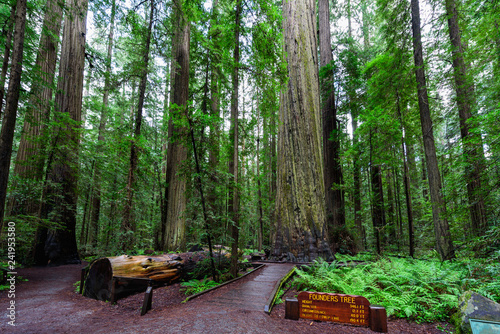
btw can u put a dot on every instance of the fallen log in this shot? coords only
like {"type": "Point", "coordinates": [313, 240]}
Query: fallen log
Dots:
{"type": "Point", "coordinates": [112, 278]}
{"type": "Point", "coordinates": [160, 268]}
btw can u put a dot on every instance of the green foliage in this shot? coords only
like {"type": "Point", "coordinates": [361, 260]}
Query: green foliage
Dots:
{"type": "Point", "coordinates": [407, 288]}
{"type": "Point", "coordinates": [195, 286]}
{"type": "Point", "coordinates": [76, 286]}
{"type": "Point", "coordinates": [26, 227]}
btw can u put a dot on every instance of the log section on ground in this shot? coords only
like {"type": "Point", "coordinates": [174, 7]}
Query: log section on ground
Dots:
{"type": "Point", "coordinates": [134, 273]}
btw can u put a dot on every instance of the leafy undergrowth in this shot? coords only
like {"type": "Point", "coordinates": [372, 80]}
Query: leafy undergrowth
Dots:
{"type": "Point", "coordinates": [417, 289]}
{"type": "Point", "coordinates": [195, 286]}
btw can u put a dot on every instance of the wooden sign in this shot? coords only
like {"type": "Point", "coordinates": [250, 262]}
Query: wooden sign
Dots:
{"type": "Point", "coordinates": [334, 307]}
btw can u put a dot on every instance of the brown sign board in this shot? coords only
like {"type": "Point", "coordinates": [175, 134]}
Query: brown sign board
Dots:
{"type": "Point", "coordinates": [334, 307]}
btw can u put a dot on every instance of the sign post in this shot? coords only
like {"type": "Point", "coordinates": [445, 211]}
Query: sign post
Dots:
{"type": "Point", "coordinates": [336, 307]}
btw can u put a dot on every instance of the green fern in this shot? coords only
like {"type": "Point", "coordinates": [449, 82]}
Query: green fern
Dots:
{"type": "Point", "coordinates": [195, 286]}
{"type": "Point", "coordinates": [420, 290]}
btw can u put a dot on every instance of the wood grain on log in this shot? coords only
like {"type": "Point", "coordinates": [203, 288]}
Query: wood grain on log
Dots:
{"type": "Point", "coordinates": [160, 268]}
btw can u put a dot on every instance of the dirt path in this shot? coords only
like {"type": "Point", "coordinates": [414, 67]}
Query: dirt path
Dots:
{"type": "Point", "coordinates": [47, 303]}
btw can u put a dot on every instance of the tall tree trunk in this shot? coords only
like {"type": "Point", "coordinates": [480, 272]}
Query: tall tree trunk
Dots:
{"type": "Point", "coordinates": [300, 200]}
{"type": "Point", "coordinates": [357, 185]}
{"type": "Point", "coordinates": [175, 191]}
{"type": "Point", "coordinates": [9, 118]}
{"type": "Point", "coordinates": [214, 137]}
{"type": "Point", "coordinates": [128, 224]}
{"type": "Point", "coordinates": [472, 144]}
{"type": "Point", "coordinates": [259, 194]}
{"type": "Point", "coordinates": [444, 243]}
{"type": "Point", "coordinates": [407, 179]}
{"type": "Point", "coordinates": [234, 196]}
{"type": "Point", "coordinates": [335, 213]}
{"type": "Point", "coordinates": [272, 173]}
{"type": "Point", "coordinates": [355, 142]}
{"type": "Point", "coordinates": [6, 56]}
{"type": "Point", "coordinates": [30, 157]}
{"type": "Point", "coordinates": [391, 210]}
{"type": "Point", "coordinates": [60, 245]}
{"type": "Point", "coordinates": [378, 212]}
{"type": "Point", "coordinates": [96, 199]}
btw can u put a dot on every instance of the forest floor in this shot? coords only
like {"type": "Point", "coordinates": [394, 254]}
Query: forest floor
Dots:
{"type": "Point", "coordinates": [48, 303]}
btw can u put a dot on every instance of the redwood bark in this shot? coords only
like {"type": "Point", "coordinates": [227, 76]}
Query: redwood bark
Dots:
{"type": "Point", "coordinates": [444, 243]}
{"type": "Point", "coordinates": [9, 118]}
{"type": "Point", "coordinates": [60, 245]}
{"type": "Point", "coordinates": [472, 144]}
{"type": "Point", "coordinates": [6, 56]}
{"type": "Point", "coordinates": [175, 191]}
{"type": "Point", "coordinates": [333, 179]}
{"type": "Point", "coordinates": [30, 157]}
{"type": "Point", "coordinates": [300, 200]}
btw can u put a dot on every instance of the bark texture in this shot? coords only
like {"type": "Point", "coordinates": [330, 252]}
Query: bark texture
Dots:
{"type": "Point", "coordinates": [444, 243]}
{"type": "Point", "coordinates": [60, 245]}
{"type": "Point", "coordinates": [9, 118]}
{"type": "Point", "coordinates": [472, 144]}
{"type": "Point", "coordinates": [175, 192]}
{"type": "Point", "coordinates": [30, 157]}
{"type": "Point", "coordinates": [333, 179]}
{"type": "Point", "coordinates": [300, 204]}
{"type": "Point", "coordinates": [6, 55]}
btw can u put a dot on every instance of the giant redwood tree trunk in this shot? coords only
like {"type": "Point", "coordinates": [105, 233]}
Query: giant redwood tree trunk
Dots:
{"type": "Point", "coordinates": [9, 119]}
{"type": "Point", "coordinates": [60, 245]}
{"type": "Point", "coordinates": [444, 243]}
{"type": "Point", "coordinates": [30, 157]}
{"type": "Point", "coordinates": [300, 202]}
{"type": "Point", "coordinates": [472, 144]}
{"type": "Point", "coordinates": [335, 213]}
{"type": "Point", "coordinates": [174, 226]}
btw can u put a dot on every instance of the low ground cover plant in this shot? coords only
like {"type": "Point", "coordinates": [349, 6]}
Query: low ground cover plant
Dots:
{"type": "Point", "coordinates": [423, 290]}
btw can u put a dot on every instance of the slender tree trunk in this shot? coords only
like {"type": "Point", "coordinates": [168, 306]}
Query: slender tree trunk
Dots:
{"type": "Point", "coordinates": [444, 243]}
{"type": "Point", "coordinates": [378, 212]}
{"type": "Point", "coordinates": [30, 157]}
{"type": "Point", "coordinates": [214, 137]}
{"type": "Point", "coordinates": [391, 210]}
{"type": "Point", "coordinates": [6, 56]}
{"type": "Point", "coordinates": [234, 196]}
{"type": "Point", "coordinates": [160, 231]}
{"type": "Point", "coordinates": [60, 246]}
{"type": "Point", "coordinates": [472, 144]}
{"type": "Point", "coordinates": [96, 199]}
{"type": "Point", "coordinates": [175, 191]}
{"type": "Point", "coordinates": [357, 184]}
{"type": "Point", "coordinates": [9, 118]}
{"type": "Point", "coordinates": [407, 182]}
{"type": "Point", "coordinates": [355, 142]}
{"type": "Point", "coordinates": [128, 224]}
{"type": "Point", "coordinates": [331, 141]}
{"type": "Point", "coordinates": [259, 194]}
{"type": "Point", "coordinates": [300, 200]}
